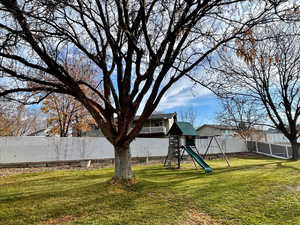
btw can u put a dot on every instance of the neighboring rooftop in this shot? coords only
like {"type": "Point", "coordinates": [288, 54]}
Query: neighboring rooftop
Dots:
{"type": "Point", "coordinates": [159, 116]}
{"type": "Point", "coordinates": [273, 131]}
{"type": "Point", "coordinates": [35, 133]}
{"type": "Point", "coordinates": [219, 127]}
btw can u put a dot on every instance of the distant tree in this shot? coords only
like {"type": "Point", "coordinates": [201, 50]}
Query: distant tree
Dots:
{"type": "Point", "coordinates": [242, 114]}
{"type": "Point", "coordinates": [64, 114]}
{"type": "Point", "coordinates": [17, 120]}
{"type": "Point", "coordinates": [5, 121]}
{"type": "Point", "coordinates": [64, 111]}
{"type": "Point", "coordinates": [189, 114]}
{"type": "Point", "coordinates": [266, 69]}
{"type": "Point", "coordinates": [140, 48]}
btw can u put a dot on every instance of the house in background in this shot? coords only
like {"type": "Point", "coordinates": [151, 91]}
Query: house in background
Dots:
{"type": "Point", "coordinates": [92, 131]}
{"type": "Point", "coordinates": [208, 130]}
{"type": "Point", "coordinates": [40, 133]}
{"type": "Point", "coordinates": [275, 136]}
{"type": "Point", "coordinates": [41, 128]}
{"type": "Point", "coordinates": [157, 125]}
{"type": "Point", "coordinates": [46, 132]}
{"type": "Point", "coordinates": [253, 134]}
{"type": "Point", "coordinates": [256, 135]}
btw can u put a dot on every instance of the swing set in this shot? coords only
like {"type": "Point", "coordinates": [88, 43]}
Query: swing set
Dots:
{"type": "Point", "coordinates": [209, 146]}
{"type": "Point", "coordinates": [182, 137]}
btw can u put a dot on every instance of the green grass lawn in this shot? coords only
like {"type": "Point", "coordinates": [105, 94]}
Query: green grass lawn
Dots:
{"type": "Point", "coordinates": [253, 191]}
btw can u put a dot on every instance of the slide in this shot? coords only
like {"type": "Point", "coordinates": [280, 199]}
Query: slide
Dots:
{"type": "Point", "coordinates": [198, 158]}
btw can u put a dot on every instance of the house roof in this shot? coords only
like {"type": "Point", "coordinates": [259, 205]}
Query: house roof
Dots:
{"type": "Point", "coordinates": [37, 132]}
{"type": "Point", "coordinates": [44, 131]}
{"type": "Point", "coordinates": [220, 127]}
{"type": "Point", "coordinates": [159, 116]}
{"type": "Point", "coordinates": [182, 128]}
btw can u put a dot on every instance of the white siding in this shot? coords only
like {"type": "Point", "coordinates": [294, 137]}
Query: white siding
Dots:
{"type": "Point", "coordinates": [276, 138]}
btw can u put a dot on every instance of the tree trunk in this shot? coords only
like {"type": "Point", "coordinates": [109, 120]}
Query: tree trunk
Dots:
{"type": "Point", "coordinates": [123, 169]}
{"type": "Point", "coordinates": [295, 150]}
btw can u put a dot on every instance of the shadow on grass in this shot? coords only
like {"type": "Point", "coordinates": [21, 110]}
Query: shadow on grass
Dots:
{"type": "Point", "coordinates": [38, 178]}
{"type": "Point", "coordinates": [247, 167]}
{"type": "Point", "coordinates": [160, 194]}
{"type": "Point", "coordinates": [199, 172]}
{"type": "Point", "coordinates": [287, 166]}
{"type": "Point", "coordinates": [98, 199]}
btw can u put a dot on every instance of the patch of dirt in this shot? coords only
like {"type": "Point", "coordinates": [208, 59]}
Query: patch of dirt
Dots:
{"type": "Point", "coordinates": [59, 220]}
{"type": "Point", "coordinates": [199, 218]}
{"type": "Point", "coordinates": [294, 188]}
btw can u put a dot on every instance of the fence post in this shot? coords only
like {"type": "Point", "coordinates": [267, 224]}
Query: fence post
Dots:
{"type": "Point", "coordinates": [270, 147]}
{"type": "Point", "coordinates": [256, 146]}
{"type": "Point", "coordinates": [147, 157]}
{"type": "Point", "coordinates": [287, 151]}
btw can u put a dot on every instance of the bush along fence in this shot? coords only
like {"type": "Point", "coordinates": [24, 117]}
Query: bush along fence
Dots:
{"type": "Point", "coordinates": [268, 149]}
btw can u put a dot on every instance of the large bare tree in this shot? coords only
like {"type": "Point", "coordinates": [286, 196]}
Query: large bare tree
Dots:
{"type": "Point", "coordinates": [140, 48]}
{"type": "Point", "coordinates": [266, 68]}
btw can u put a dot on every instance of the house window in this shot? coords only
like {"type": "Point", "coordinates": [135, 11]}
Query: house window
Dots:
{"type": "Point", "coordinates": [158, 123]}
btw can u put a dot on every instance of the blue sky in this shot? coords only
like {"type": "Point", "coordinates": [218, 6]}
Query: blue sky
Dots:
{"type": "Point", "coordinates": [185, 95]}
{"type": "Point", "coordinates": [206, 107]}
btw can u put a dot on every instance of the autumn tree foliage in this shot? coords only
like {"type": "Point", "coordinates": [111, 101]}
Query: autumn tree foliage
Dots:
{"type": "Point", "coordinates": [265, 68]}
{"type": "Point", "coordinates": [17, 120]}
{"type": "Point", "coordinates": [5, 122]}
{"type": "Point", "coordinates": [66, 114]}
{"type": "Point", "coordinates": [140, 48]}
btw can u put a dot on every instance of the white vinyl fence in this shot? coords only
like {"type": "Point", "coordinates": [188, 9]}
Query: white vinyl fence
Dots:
{"type": "Point", "coordinates": [228, 145]}
{"type": "Point", "coordinates": [47, 149]}
{"type": "Point", "coordinates": [269, 149]}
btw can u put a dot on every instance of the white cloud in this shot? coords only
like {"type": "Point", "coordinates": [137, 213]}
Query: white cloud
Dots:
{"type": "Point", "coordinates": [182, 94]}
